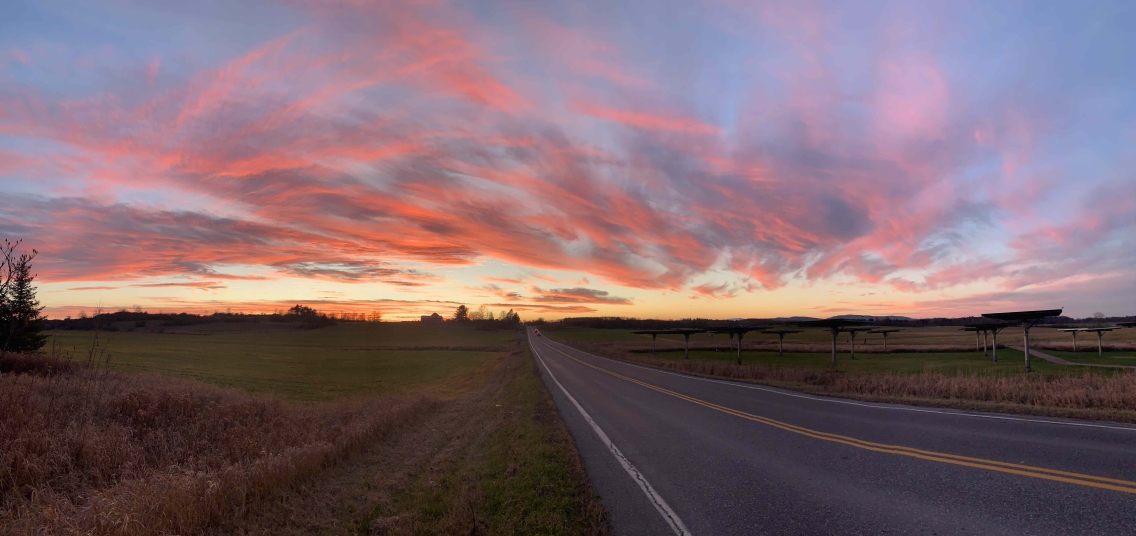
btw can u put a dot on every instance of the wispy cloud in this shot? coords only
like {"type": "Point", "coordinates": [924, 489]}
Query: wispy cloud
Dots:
{"type": "Point", "coordinates": [195, 285]}
{"type": "Point", "coordinates": [576, 295]}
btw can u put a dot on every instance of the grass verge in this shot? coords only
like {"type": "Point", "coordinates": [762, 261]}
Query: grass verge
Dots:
{"type": "Point", "coordinates": [498, 461]}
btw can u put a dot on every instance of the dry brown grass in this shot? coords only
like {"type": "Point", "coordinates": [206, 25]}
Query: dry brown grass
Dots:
{"type": "Point", "coordinates": [1088, 396]}
{"type": "Point", "coordinates": [83, 451]}
{"type": "Point", "coordinates": [1084, 344]}
{"type": "Point", "coordinates": [801, 347]}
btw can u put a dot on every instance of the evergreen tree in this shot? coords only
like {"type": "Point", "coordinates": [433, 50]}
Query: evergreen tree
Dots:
{"type": "Point", "coordinates": [20, 309]}
{"type": "Point", "coordinates": [461, 314]}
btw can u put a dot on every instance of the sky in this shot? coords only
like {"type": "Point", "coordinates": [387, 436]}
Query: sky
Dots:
{"type": "Point", "coordinates": [657, 159]}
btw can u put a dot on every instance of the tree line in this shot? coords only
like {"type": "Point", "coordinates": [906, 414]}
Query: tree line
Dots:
{"type": "Point", "coordinates": [484, 317]}
{"type": "Point", "coordinates": [137, 318]}
{"type": "Point", "coordinates": [611, 322]}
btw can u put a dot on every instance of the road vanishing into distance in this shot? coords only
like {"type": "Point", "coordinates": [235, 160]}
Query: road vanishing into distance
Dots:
{"type": "Point", "coordinates": [675, 454]}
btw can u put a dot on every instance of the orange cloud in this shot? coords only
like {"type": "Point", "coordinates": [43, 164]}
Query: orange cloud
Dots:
{"type": "Point", "coordinates": [577, 295]}
{"type": "Point", "coordinates": [650, 121]}
{"type": "Point", "coordinates": [195, 285]}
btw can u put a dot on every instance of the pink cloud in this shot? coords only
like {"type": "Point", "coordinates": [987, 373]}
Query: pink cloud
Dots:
{"type": "Point", "coordinates": [651, 121]}
{"type": "Point", "coordinates": [382, 136]}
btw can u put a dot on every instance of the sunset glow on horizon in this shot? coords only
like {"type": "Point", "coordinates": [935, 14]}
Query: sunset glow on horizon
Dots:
{"type": "Point", "coordinates": [649, 159]}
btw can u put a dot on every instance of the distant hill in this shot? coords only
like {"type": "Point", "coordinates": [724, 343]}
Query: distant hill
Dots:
{"type": "Point", "coordinates": [793, 319]}
{"type": "Point", "coordinates": [870, 318]}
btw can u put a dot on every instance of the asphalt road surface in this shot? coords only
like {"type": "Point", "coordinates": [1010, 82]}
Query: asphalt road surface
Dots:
{"type": "Point", "coordinates": [673, 454]}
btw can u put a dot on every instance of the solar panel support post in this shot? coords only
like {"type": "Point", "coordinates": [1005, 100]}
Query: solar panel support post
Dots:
{"type": "Point", "coordinates": [994, 347]}
{"type": "Point", "coordinates": [1074, 340]}
{"type": "Point", "coordinates": [835, 331]}
{"type": "Point", "coordinates": [740, 347]}
{"type": "Point", "coordinates": [1028, 319]}
{"type": "Point", "coordinates": [976, 341]}
{"type": "Point", "coordinates": [687, 337]}
{"type": "Point", "coordinates": [885, 334]}
{"type": "Point", "coordinates": [983, 343]}
{"type": "Point", "coordinates": [653, 335]}
{"type": "Point", "coordinates": [1026, 325]}
{"type": "Point", "coordinates": [852, 343]}
{"type": "Point", "coordinates": [781, 344]}
{"type": "Point", "coordinates": [1100, 349]}
{"type": "Point", "coordinates": [1025, 328]}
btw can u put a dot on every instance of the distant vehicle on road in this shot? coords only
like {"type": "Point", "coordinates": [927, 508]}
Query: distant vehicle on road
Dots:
{"type": "Point", "coordinates": [537, 331]}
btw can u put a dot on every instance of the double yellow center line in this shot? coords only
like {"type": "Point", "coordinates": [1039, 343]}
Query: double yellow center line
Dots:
{"type": "Point", "coordinates": [1079, 479]}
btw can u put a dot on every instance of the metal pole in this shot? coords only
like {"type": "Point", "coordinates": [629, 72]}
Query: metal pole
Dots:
{"type": "Point", "coordinates": [1074, 340]}
{"type": "Point", "coordinates": [983, 343]}
{"type": "Point", "coordinates": [1027, 348]}
{"type": "Point", "coordinates": [834, 332]}
{"type": "Point", "coordinates": [994, 347]}
{"type": "Point", "coordinates": [976, 343]}
{"type": "Point", "coordinates": [781, 344]}
{"type": "Point", "coordinates": [687, 335]}
{"type": "Point", "coordinates": [852, 339]}
{"type": "Point", "coordinates": [1100, 351]}
{"type": "Point", "coordinates": [885, 342]}
{"type": "Point", "coordinates": [740, 347]}
{"type": "Point", "coordinates": [653, 335]}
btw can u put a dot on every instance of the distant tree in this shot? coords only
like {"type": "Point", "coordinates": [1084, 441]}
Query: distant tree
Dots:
{"type": "Point", "coordinates": [375, 316]}
{"type": "Point", "coordinates": [482, 313]}
{"type": "Point", "coordinates": [461, 314]}
{"type": "Point", "coordinates": [511, 319]}
{"type": "Point", "coordinates": [308, 317]}
{"type": "Point", "coordinates": [1098, 317]}
{"type": "Point", "coordinates": [21, 321]}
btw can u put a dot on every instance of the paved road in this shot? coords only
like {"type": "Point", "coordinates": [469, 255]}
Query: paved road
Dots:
{"type": "Point", "coordinates": [674, 454]}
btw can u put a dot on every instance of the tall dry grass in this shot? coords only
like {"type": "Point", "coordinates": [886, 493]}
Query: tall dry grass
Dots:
{"type": "Point", "coordinates": [1086, 396]}
{"type": "Point", "coordinates": [802, 347]}
{"type": "Point", "coordinates": [86, 451]}
{"type": "Point", "coordinates": [1084, 345]}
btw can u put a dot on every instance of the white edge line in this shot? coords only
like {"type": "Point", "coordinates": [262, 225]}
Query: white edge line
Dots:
{"type": "Point", "coordinates": [669, 516]}
{"type": "Point", "coordinates": [833, 400]}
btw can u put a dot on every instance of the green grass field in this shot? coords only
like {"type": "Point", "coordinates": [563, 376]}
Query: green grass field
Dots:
{"type": "Point", "coordinates": [344, 360]}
